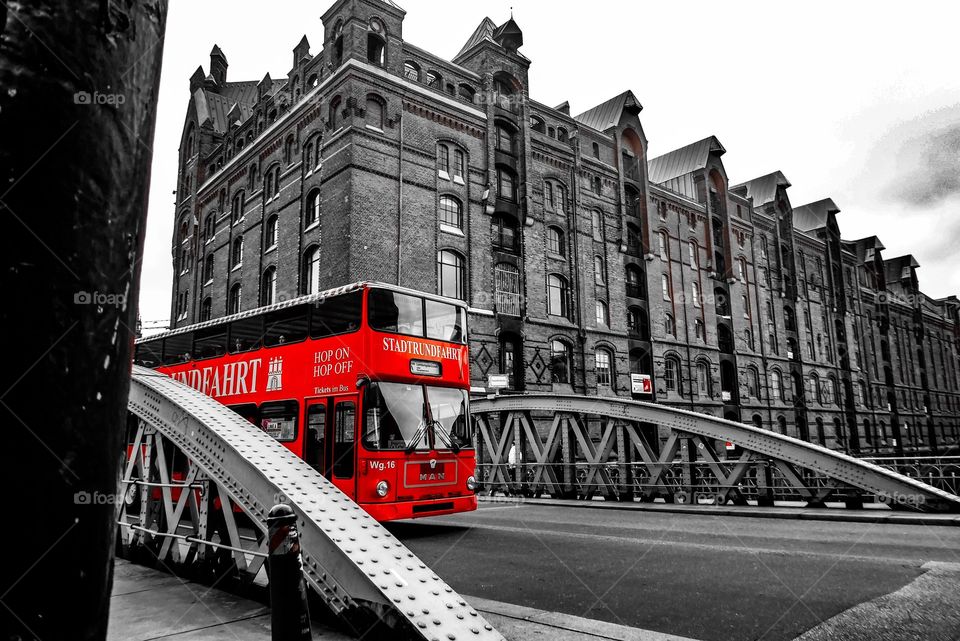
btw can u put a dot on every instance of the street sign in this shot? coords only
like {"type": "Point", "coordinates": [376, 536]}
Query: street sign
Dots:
{"type": "Point", "coordinates": [641, 384]}
{"type": "Point", "coordinates": [498, 381]}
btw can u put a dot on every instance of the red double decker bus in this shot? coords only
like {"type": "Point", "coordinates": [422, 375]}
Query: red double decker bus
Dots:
{"type": "Point", "coordinates": [368, 383]}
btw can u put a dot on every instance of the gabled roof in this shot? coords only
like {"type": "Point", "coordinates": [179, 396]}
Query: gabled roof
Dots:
{"type": "Point", "coordinates": [607, 114]}
{"type": "Point", "coordinates": [683, 161]}
{"type": "Point", "coordinates": [814, 215]}
{"type": "Point", "coordinates": [216, 106]}
{"type": "Point", "coordinates": [217, 52]}
{"type": "Point", "coordinates": [897, 269]}
{"type": "Point", "coordinates": [763, 190]}
{"type": "Point", "coordinates": [483, 32]}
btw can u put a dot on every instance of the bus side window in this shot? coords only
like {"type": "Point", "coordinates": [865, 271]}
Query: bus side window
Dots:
{"type": "Point", "coordinates": [149, 354]}
{"type": "Point", "coordinates": [177, 348]}
{"type": "Point", "coordinates": [248, 411]}
{"type": "Point", "coordinates": [245, 334]}
{"type": "Point", "coordinates": [279, 419]}
{"type": "Point", "coordinates": [286, 326]}
{"type": "Point", "coordinates": [210, 342]}
{"type": "Point", "coordinates": [343, 439]}
{"type": "Point", "coordinates": [336, 315]}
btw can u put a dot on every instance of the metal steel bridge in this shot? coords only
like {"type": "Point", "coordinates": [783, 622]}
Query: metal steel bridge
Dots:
{"type": "Point", "coordinates": [201, 482]}
{"type": "Point", "coordinates": [580, 447]}
{"type": "Point", "coordinates": [213, 512]}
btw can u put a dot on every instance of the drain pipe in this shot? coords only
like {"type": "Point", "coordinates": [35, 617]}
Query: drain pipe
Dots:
{"type": "Point", "coordinates": [400, 199]}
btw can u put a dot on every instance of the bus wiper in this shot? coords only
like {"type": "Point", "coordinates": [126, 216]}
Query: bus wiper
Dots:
{"type": "Point", "coordinates": [419, 434]}
{"type": "Point", "coordinates": [444, 436]}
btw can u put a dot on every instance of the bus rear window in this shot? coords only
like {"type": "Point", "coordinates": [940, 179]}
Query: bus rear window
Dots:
{"type": "Point", "coordinates": [336, 315]}
{"type": "Point", "coordinates": [286, 326]}
{"type": "Point", "coordinates": [395, 312]}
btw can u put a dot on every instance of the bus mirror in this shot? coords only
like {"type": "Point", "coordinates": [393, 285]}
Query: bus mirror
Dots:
{"type": "Point", "coordinates": [362, 381]}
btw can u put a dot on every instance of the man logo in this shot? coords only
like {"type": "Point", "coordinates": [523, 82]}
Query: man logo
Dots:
{"type": "Point", "coordinates": [433, 464]}
{"type": "Point", "coordinates": [275, 374]}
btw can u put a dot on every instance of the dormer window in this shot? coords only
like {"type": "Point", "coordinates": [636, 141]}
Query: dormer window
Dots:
{"type": "Point", "coordinates": [411, 71]}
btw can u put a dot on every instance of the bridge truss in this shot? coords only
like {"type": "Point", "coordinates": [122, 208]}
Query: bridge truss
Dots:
{"type": "Point", "coordinates": [197, 493]}
{"type": "Point", "coordinates": [580, 447]}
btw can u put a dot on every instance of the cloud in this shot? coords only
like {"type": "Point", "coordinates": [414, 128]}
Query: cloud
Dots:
{"type": "Point", "coordinates": [926, 157]}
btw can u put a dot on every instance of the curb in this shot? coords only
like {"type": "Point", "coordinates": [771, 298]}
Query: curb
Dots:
{"type": "Point", "coordinates": [825, 514]}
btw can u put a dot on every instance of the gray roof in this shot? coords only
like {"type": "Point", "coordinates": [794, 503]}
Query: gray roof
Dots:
{"type": "Point", "coordinates": [814, 215]}
{"type": "Point", "coordinates": [216, 104]}
{"type": "Point", "coordinates": [483, 32]}
{"type": "Point", "coordinates": [763, 190]}
{"type": "Point", "coordinates": [896, 269]}
{"type": "Point", "coordinates": [607, 114]}
{"type": "Point", "coordinates": [683, 161]}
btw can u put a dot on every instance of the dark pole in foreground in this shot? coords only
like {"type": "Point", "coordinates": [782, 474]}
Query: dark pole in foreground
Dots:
{"type": "Point", "coordinates": [289, 616]}
{"type": "Point", "coordinates": [78, 92]}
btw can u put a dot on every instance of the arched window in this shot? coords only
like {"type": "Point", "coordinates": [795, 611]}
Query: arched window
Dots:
{"type": "Point", "coordinates": [597, 185]}
{"type": "Point", "coordinates": [313, 80]}
{"type": "Point", "coordinates": [555, 244]}
{"type": "Point", "coordinates": [669, 325]}
{"type": "Point", "coordinates": [451, 212]}
{"type": "Point", "coordinates": [599, 276]}
{"type": "Point", "coordinates": [338, 43]}
{"type": "Point", "coordinates": [233, 301]}
{"type": "Point", "coordinates": [558, 295]}
{"type": "Point", "coordinates": [506, 184]}
{"type": "Point", "coordinates": [236, 213]}
{"type": "Point", "coordinates": [466, 92]}
{"type": "Point", "coordinates": [665, 286]}
{"type": "Point", "coordinates": [637, 322]}
{"type": "Point", "coordinates": [288, 150]}
{"type": "Point", "coordinates": [634, 281]}
{"type": "Point", "coordinates": [335, 113]}
{"type": "Point", "coordinates": [311, 271]}
{"type": "Point", "coordinates": [776, 385]}
{"type": "Point", "coordinates": [813, 388]}
{"type": "Point", "coordinates": [603, 314]}
{"type": "Point", "coordinates": [268, 286]}
{"type": "Point", "coordinates": [503, 233]}
{"type": "Point", "coordinates": [206, 309]}
{"type": "Point", "coordinates": [537, 124]}
{"type": "Point", "coordinates": [596, 151]}
{"type": "Point", "coordinates": [506, 138]}
{"type": "Point", "coordinates": [270, 232]}
{"type": "Point", "coordinates": [450, 274]}
{"type": "Point", "coordinates": [753, 382]}
{"type": "Point", "coordinates": [434, 80]}
{"type": "Point", "coordinates": [698, 329]}
{"type": "Point", "coordinates": [459, 165]}
{"type": "Point", "coordinates": [748, 338]}
{"type": "Point", "coordinates": [208, 269]}
{"type": "Point", "coordinates": [561, 361]}
{"type": "Point", "coordinates": [603, 363]}
{"type": "Point", "coordinates": [634, 245]}
{"type": "Point", "coordinates": [311, 216]}
{"type": "Point", "coordinates": [253, 180]}
{"type": "Point", "coordinates": [596, 221]}
{"type": "Point", "coordinates": [236, 254]}
{"type": "Point", "coordinates": [507, 284]}
{"type": "Point", "coordinates": [274, 182]}
{"type": "Point", "coordinates": [672, 376]}
{"type": "Point", "coordinates": [443, 161]}
{"type": "Point", "coordinates": [373, 115]}
{"type": "Point", "coordinates": [376, 49]}
{"type": "Point", "coordinates": [697, 298]}
{"type": "Point", "coordinates": [704, 380]}
{"type": "Point", "coordinates": [209, 226]}
{"type": "Point", "coordinates": [308, 157]}
{"type": "Point", "coordinates": [411, 71]}
{"type": "Point", "coordinates": [663, 245]}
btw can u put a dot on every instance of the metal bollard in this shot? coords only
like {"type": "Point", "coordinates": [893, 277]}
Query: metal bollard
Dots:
{"type": "Point", "coordinates": [289, 616]}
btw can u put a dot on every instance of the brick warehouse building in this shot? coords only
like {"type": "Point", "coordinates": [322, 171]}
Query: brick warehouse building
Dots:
{"type": "Point", "coordinates": [582, 260]}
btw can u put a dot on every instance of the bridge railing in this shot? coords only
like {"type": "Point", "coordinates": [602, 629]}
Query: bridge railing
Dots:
{"type": "Point", "coordinates": [939, 471]}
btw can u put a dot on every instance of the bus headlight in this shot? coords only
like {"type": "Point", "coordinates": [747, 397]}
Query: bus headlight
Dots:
{"type": "Point", "coordinates": [471, 483]}
{"type": "Point", "coordinates": [382, 488]}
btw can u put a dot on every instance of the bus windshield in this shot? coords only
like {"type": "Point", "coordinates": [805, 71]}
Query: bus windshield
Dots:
{"type": "Point", "coordinates": [402, 416]}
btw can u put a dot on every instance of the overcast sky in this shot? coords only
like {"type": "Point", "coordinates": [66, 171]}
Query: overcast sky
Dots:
{"type": "Point", "coordinates": [857, 101]}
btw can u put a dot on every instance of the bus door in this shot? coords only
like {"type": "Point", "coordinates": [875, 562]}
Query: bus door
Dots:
{"type": "Point", "coordinates": [315, 439]}
{"type": "Point", "coordinates": [343, 431]}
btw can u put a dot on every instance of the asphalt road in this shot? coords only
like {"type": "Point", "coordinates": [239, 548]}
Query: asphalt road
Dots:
{"type": "Point", "coordinates": [701, 576]}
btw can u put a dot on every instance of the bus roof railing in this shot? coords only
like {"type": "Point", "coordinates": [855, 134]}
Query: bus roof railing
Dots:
{"type": "Point", "coordinates": [300, 300]}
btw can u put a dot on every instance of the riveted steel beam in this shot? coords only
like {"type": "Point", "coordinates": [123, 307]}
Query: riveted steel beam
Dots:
{"type": "Point", "coordinates": [353, 563]}
{"type": "Point", "coordinates": [833, 470]}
